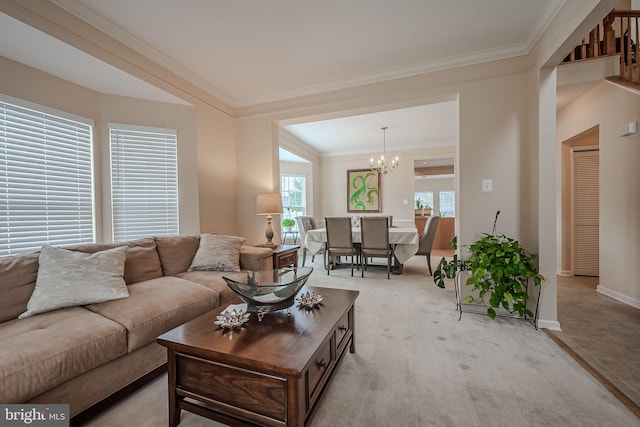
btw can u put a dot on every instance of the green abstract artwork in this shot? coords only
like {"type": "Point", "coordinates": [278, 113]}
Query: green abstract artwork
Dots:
{"type": "Point", "coordinates": [363, 190]}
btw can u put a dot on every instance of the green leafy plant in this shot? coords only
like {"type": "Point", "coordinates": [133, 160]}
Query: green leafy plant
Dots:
{"type": "Point", "coordinates": [288, 222]}
{"type": "Point", "coordinates": [447, 269]}
{"type": "Point", "coordinates": [499, 269]}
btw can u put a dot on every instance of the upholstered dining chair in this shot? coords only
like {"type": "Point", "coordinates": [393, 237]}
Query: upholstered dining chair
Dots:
{"type": "Point", "coordinates": [426, 240]}
{"type": "Point", "coordinates": [339, 240]}
{"type": "Point", "coordinates": [306, 223]}
{"type": "Point", "coordinates": [375, 241]}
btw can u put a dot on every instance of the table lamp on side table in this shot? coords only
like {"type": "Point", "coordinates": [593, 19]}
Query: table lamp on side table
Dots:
{"type": "Point", "coordinates": [269, 204]}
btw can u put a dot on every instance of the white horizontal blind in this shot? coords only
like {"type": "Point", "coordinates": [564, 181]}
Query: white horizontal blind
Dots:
{"type": "Point", "coordinates": [144, 182]}
{"type": "Point", "coordinates": [46, 179]}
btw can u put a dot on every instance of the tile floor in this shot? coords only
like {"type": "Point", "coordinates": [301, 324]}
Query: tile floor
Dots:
{"type": "Point", "coordinates": [603, 331]}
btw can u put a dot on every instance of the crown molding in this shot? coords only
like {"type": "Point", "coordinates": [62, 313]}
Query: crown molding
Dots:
{"type": "Point", "coordinates": [92, 18]}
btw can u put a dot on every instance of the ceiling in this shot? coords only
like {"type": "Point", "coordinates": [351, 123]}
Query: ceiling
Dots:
{"type": "Point", "coordinates": [247, 52]}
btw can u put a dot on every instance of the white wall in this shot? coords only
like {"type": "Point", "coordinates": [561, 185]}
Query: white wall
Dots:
{"type": "Point", "coordinates": [611, 108]}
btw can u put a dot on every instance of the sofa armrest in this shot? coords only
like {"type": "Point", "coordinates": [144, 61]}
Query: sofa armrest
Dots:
{"type": "Point", "coordinates": [255, 258]}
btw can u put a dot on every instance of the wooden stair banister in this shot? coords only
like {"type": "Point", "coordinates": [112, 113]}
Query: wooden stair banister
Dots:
{"type": "Point", "coordinates": [612, 37]}
{"type": "Point", "coordinates": [628, 53]}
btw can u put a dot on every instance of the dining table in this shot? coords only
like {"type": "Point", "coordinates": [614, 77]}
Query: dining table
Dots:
{"type": "Point", "coordinates": [405, 241]}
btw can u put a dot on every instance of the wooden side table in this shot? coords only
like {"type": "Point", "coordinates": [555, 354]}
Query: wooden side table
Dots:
{"type": "Point", "coordinates": [285, 256]}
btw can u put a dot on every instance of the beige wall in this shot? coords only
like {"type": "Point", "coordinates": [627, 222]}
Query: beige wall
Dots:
{"type": "Point", "coordinates": [611, 108]}
{"type": "Point", "coordinates": [216, 169]}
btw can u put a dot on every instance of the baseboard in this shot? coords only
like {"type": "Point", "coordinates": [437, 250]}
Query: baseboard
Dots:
{"type": "Point", "coordinates": [618, 296]}
{"type": "Point", "coordinates": [564, 273]}
{"type": "Point", "coordinates": [552, 325]}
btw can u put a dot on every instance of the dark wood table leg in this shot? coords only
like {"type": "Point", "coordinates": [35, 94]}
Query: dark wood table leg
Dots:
{"type": "Point", "coordinates": [174, 408]}
{"type": "Point", "coordinates": [352, 318]}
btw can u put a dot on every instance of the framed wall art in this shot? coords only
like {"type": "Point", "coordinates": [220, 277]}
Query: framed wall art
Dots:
{"type": "Point", "coordinates": [363, 190]}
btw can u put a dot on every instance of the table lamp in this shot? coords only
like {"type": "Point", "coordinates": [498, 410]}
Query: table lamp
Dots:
{"type": "Point", "coordinates": [269, 204]}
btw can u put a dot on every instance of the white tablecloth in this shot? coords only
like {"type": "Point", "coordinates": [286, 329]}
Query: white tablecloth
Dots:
{"type": "Point", "coordinates": [406, 240]}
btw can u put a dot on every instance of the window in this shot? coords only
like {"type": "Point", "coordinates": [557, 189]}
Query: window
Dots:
{"type": "Point", "coordinates": [46, 178]}
{"type": "Point", "coordinates": [144, 182]}
{"type": "Point", "coordinates": [293, 189]}
{"type": "Point", "coordinates": [423, 199]}
{"type": "Point", "coordinates": [448, 203]}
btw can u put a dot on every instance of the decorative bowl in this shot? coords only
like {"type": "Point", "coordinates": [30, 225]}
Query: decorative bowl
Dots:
{"type": "Point", "coordinates": [269, 290]}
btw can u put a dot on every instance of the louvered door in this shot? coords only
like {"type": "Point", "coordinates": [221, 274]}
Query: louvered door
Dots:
{"type": "Point", "coordinates": [586, 215]}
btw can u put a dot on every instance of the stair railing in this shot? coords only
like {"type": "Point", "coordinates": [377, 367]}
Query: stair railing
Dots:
{"type": "Point", "coordinates": [629, 50]}
{"type": "Point", "coordinates": [618, 34]}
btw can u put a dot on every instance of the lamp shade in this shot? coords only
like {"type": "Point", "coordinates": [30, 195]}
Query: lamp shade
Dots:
{"type": "Point", "coordinates": [268, 204]}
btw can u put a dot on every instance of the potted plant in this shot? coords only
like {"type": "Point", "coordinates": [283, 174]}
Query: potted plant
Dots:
{"type": "Point", "coordinates": [287, 223]}
{"type": "Point", "coordinates": [500, 270]}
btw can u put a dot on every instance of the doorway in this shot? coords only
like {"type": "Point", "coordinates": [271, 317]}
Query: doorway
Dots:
{"type": "Point", "coordinates": [586, 216]}
{"type": "Point", "coordinates": [580, 205]}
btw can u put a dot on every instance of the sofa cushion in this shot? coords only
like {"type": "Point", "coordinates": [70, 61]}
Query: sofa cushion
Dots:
{"type": "Point", "coordinates": [217, 253]}
{"type": "Point", "coordinates": [256, 258]}
{"type": "Point", "coordinates": [176, 253]}
{"type": "Point", "coordinates": [68, 278]}
{"type": "Point", "coordinates": [156, 306]}
{"type": "Point", "coordinates": [43, 351]}
{"type": "Point", "coordinates": [212, 280]}
{"type": "Point", "coordinates": [142, 263]}
{"type": "Point", "coordinates": [17, 281]}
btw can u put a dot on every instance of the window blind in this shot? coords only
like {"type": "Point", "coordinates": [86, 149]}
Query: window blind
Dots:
{"type": "Point", "coordinates": [46, 178]}
{"type": "Point", "coordinates": [144, 182]}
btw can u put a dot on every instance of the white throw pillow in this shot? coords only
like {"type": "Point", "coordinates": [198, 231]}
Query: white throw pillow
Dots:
{"type": "Point", "coordinates": [217, 253]}
{"type": "Point", "coordinates": [69, 278]}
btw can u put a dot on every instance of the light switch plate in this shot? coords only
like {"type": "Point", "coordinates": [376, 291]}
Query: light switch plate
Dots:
{"type": "Point", "coordinates": [487, 185]}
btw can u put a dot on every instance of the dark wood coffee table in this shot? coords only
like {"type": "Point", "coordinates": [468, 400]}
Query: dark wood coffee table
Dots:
{"type": "Point", "coordinates": [270, 373]}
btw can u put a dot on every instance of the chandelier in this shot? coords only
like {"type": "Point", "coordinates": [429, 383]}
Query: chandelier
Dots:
{"type": "Point", "coordinates": [384, 166]}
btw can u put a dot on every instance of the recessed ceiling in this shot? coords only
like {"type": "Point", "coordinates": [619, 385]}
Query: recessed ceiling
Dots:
{"type": "Point", "coordinates": [426, 126]}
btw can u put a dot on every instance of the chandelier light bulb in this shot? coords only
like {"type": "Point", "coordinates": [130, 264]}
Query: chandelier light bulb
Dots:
{"type": "Point", "coordinates": [384, 167]}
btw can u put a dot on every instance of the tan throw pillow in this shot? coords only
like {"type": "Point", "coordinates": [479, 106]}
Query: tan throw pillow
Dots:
{"type": "Point", "coordinates": [69, 278]}
{"type": "Point", "coordinates": [217, 253]}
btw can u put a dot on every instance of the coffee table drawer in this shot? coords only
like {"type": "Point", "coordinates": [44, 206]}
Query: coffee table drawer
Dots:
{"type": "Point", "coordinates": [257, 393]}
{"type": "Point", "coordinates": [320, 366]}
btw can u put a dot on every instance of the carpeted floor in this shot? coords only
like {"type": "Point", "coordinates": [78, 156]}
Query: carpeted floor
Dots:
{"type": "Point", "coordinates": [417, 365]}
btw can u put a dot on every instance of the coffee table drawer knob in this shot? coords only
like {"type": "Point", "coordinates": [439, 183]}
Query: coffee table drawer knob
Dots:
{"type": "Point", "coordinates": [322, 364]}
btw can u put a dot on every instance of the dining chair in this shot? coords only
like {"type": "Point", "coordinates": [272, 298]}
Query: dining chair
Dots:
{"type": "Point", "coordinates": [375, 241]}
{"type": "Point", "coordinates": [306, 223]}
{"type": "Point", "coordinates": [426, 240]}
{"type": "Point", "coordinates": [339, 240]}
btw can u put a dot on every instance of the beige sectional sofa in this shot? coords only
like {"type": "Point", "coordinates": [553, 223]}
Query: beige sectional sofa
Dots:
{"type": "Point", "coordinates": [81, 355]}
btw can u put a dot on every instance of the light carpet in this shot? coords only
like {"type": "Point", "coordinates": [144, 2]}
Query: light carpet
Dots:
{"type": "Point", "coordinates": [417, 365]}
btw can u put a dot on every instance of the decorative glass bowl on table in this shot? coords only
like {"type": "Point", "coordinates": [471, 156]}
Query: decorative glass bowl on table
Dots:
{"type": "Point", "coordinates": [269, 290]}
